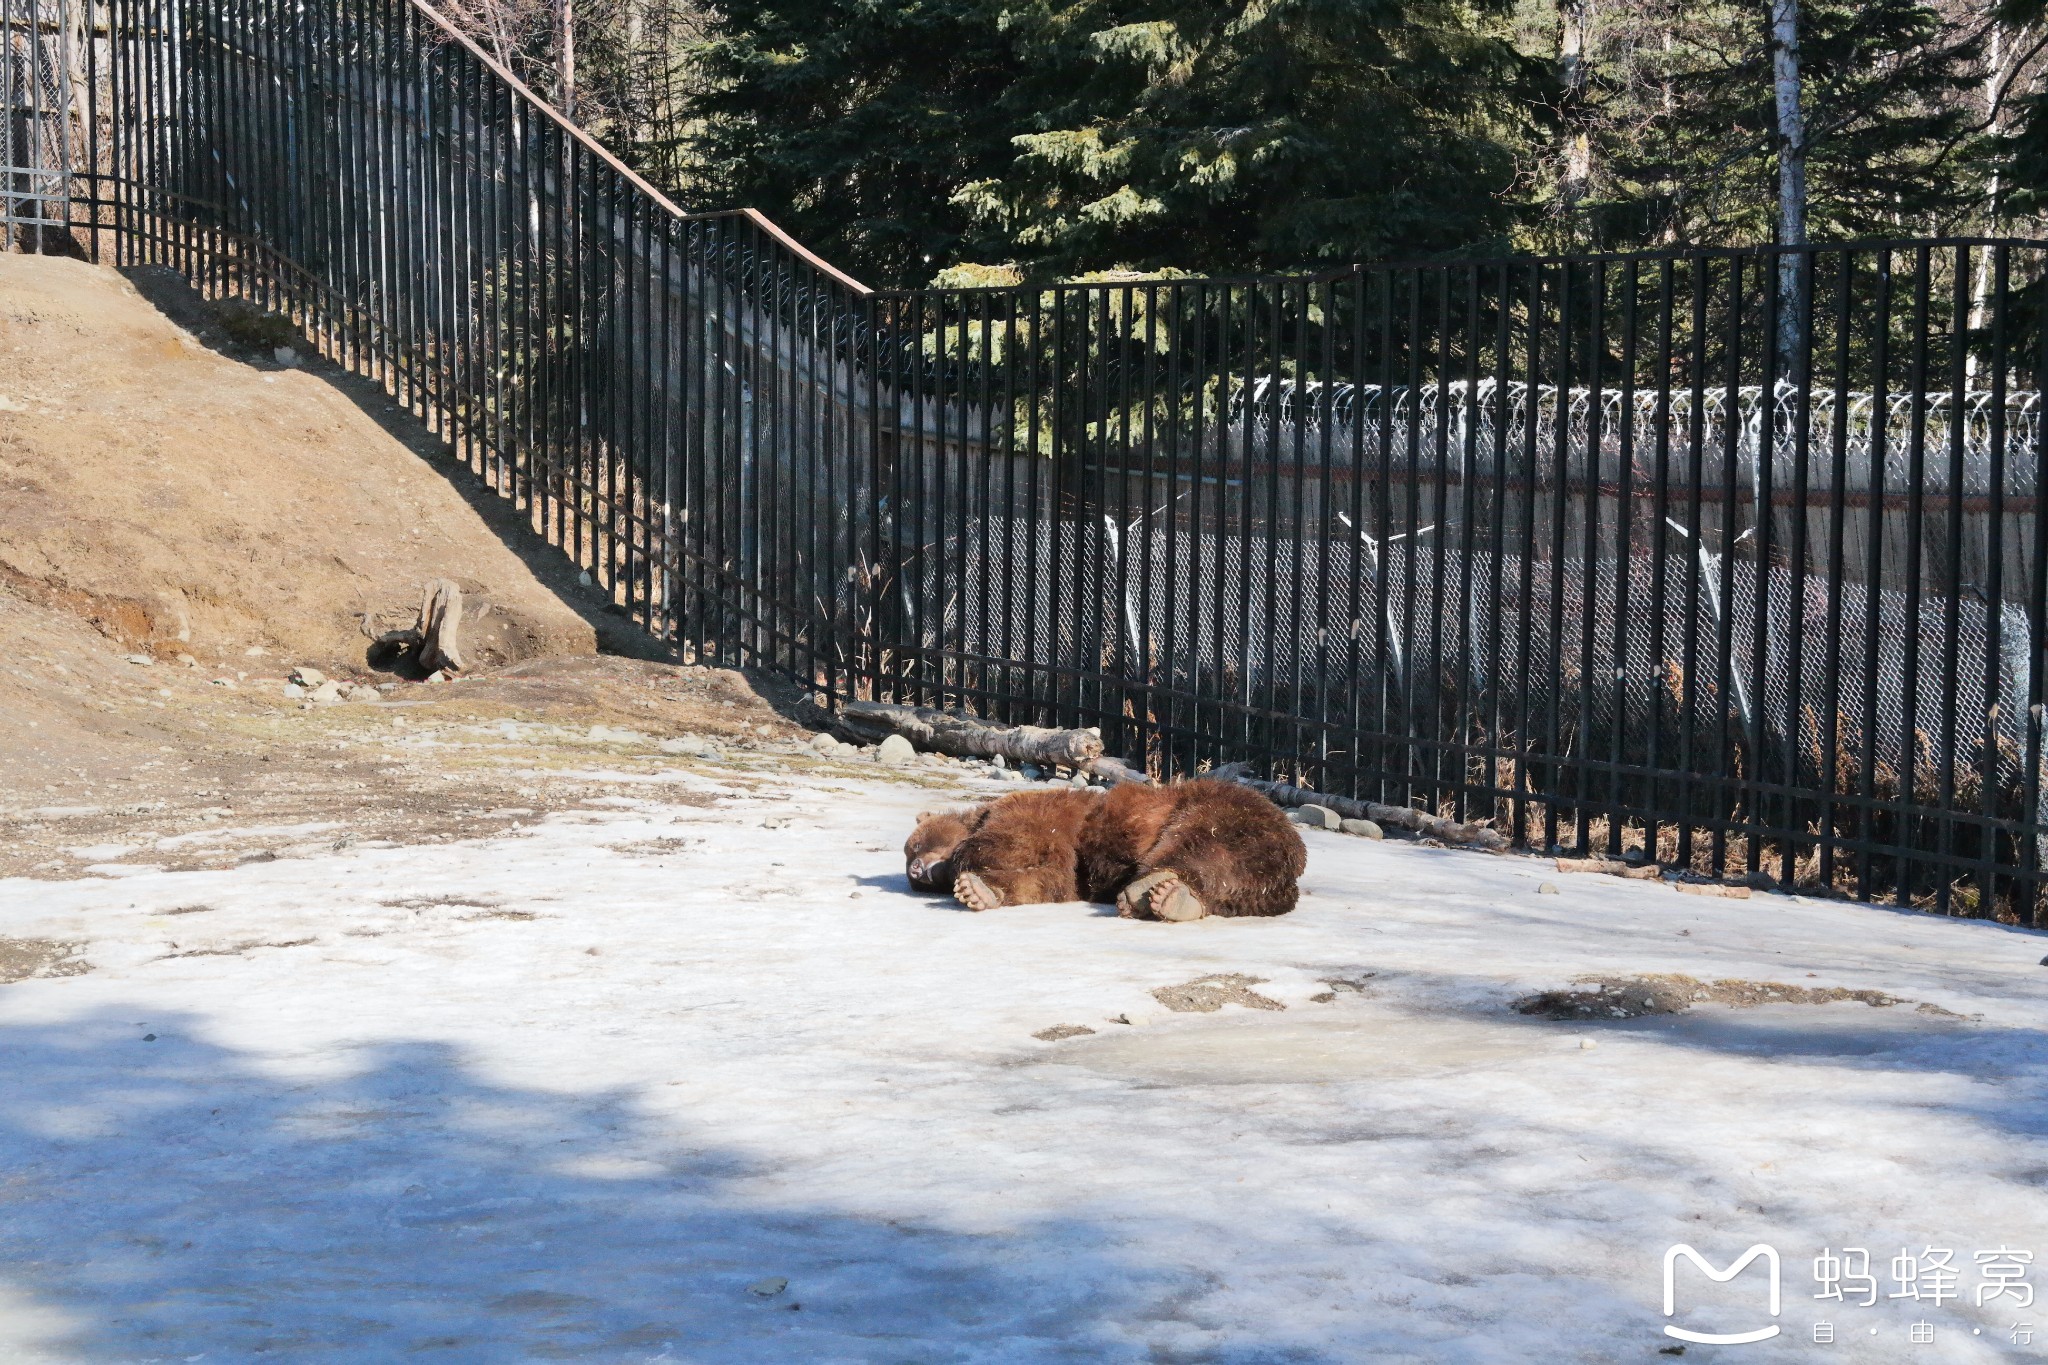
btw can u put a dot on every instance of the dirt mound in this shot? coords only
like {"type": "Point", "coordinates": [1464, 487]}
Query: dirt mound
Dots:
{"type": "Point", "coordinates": [1632, 997]}
{"type": "Point", "coordinates": [182, 501]}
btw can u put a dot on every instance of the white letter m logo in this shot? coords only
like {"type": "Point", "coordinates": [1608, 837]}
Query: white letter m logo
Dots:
{"type": "Point", "coordinates": [1770, 1257]}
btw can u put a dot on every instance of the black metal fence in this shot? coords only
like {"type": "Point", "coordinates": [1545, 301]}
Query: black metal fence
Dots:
{"type": "Point", "coordinates": [1733, 556]}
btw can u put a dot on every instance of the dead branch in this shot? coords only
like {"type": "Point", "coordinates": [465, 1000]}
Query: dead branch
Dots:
{"type": "Point", "coordinates": [1115, 770]}
{"type": "Point", "coordinates": [934, 731]}
{"type": "Point", "coordinates": [1401, 817]}
{"type": "Point", "coordinates": [1641, 872]}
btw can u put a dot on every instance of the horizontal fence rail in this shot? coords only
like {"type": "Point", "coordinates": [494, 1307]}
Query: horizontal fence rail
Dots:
{"type": "Point", "coordinates": [1731, 557]}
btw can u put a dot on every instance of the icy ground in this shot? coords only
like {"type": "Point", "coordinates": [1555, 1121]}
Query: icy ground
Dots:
{"type": "Point", "coordinates": [596, 1088]}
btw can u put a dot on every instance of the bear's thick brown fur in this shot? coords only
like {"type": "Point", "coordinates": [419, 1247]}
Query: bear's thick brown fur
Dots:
{"type": "Point", "coordinates": [1015, 850]}
{"type": "Point", "coordinates": [1228, 847]}
{"type": "Point", "coordinates": [1175, 852]}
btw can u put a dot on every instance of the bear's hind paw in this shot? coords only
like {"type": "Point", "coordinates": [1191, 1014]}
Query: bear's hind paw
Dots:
{"type": "Point", "coordinates": [974, 893]}
{"type": "Point", "coordinates": [1160, 895]}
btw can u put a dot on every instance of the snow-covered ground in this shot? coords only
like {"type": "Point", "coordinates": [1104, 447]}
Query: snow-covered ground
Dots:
{"type": "Point", "coordinates": [597, 1088]}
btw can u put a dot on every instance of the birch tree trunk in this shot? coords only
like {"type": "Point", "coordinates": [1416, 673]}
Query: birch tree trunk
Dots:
{"type": "Point", "coordinates": [565, 58]}
{"type": "Point", "coordinates": [1791, 173]}
{"type": "Point", "coordinates": [1574, 60]}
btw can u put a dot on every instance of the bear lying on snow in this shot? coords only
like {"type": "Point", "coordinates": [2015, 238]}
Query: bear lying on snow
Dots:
{"type": "Point", "coordinates": [1176, 853]}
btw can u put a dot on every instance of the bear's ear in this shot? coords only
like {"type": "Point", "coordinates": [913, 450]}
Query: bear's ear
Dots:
{"type": "Point", "coordinates": [925, 815]}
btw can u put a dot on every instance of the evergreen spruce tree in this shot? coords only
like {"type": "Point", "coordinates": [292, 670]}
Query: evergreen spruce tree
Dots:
{"type": "Point", "coordinates": [1233, 135]}
{"type": "Point", "coordinates": [853, 123]}
{"type": "Point", "coordinates": [1689, 138]}
{"type": "Point", "coordinates": [2017, 115]}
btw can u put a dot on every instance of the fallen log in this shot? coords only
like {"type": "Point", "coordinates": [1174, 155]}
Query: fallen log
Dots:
{"type": "Point", "coordinates": [1401, 817]}
{"type": "Point", "coordinates": [1722, 889]}
{"type": "Point", "coordinates": [1115, 770]}
{"type": "Point", "coordinates": [933, 731]}
{"type": "Point", "coordinates": [1612, 867]}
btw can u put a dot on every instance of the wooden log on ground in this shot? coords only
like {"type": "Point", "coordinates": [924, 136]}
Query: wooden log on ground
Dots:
{"type": "Point", "coordinates": [933, 731]}
{"type": "Point", "coordinates": [1722, 889]}
{"type": "Point", "coordinates": [440, 627]}
{"type": "Point", "coordinates": [1401, 817]}
{"type": "Point", "coordinates": [1612, 867]}
{"type": "Point", "coordinates": [1115, 770]}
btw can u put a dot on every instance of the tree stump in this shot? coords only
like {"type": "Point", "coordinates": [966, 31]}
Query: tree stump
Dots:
{"type": "Point", "coordinates": [440, 627]}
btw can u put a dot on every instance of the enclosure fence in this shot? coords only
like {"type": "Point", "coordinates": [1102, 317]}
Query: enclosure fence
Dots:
{"type": "Point", "coordinates": [1732, 557]}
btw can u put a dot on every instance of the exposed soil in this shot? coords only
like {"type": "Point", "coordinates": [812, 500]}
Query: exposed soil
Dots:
{"type": "Point", "coordinates": [1633, 997]}
{"type": "Point", "coordinates": [183, 522]}
{"type": "Point", "coordinates": [114, 764]}
{"type": "Point", "coordinates": [182, 501]}
{"type": "Point", "coordinates": [22, 958]}
{"type": "Point", "coordinates": [1207, 994]}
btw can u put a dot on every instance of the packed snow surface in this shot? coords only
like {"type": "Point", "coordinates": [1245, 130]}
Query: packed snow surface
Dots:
{"type": "Point", "coordinates": [664, 1081]}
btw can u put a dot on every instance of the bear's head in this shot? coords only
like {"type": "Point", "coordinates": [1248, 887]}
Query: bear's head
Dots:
{"type": "Point", "coordinates": [928, 853]}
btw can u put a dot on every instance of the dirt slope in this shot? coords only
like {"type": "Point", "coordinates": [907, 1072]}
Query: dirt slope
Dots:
{"type": "Point", "coordinates": [181, 524]}
{"type": "Point", "coordinates": [183, 501]}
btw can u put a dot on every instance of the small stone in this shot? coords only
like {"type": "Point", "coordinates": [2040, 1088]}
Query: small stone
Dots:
{"type": "Point", "coordinates": [328, 691]}
{"type": "Point", "coordinates": [1548, 889]}
{"type": "Point", "coordinates": [998, 762]}
{"type": "Point", "coordinates": [223, 682]}
{"type": "Point", "coordinates": [364, 692]}
{"type": "Point", "coordinates": [254, 652]}
{"type": "Point", "coordinates": [1315, 817]}
{"type": "Point", "coordinates": [584, 579]}
{"type": "Point", "coordinates": [2044, 962]}
{"type": "Point", "coordinates": [1078, 781]}
{"type": "Point", "coordinates": [1364, 829]}
{"type": "Point", "coordinates": [285, 355]}
{"type": "Point", "coordinates": [307, 677]}
{"type": "Point", "coordinates": [825, 745]}
{"type": "Point", "coordinates": [895, 751]}
{"type": "Point", "coordinates": [769, 1287]}
{"type": "Point", "coordinates": [292, 691]}
{"type": "Point", "coordinates": [149, 1037]}
{"type": "Point", "coordinates": [437, 676]}
{"type": "Point", "coordinates": [139, 660]}
{"type": "Point", "coordinates": [1587, 1044]}
{"type": "Point", "coordinates": [1029, 772]}
{"type": "Point", "coordinates": [188, 661]}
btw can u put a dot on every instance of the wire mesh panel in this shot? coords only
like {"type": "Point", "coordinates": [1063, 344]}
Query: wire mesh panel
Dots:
{"type": "Point", "coordinates": [1733, 557]}
{"type": "Point", "coordinates": [41, 52]}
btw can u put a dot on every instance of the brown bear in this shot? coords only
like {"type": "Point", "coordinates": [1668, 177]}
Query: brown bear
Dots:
{"type": "Point", "coordinates": [1175, 853]}
{"type": "Point", "coordinates": [1191, 849]}
{"type": "Point", "coordinates": [1014, 850]}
